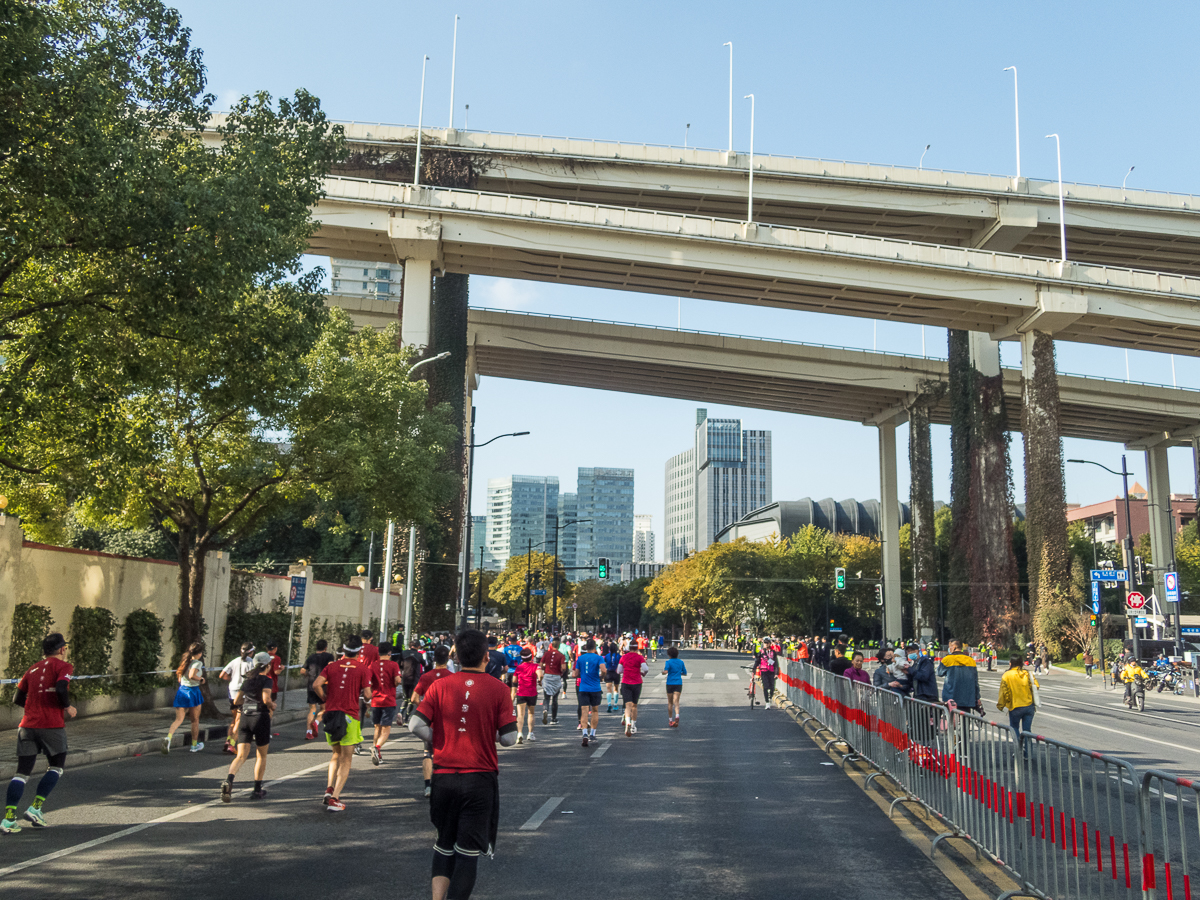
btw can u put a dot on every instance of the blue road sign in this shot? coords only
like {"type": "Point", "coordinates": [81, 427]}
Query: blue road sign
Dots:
{"type": "Point", "coordinates": [1096, 597]}
{"type": "Point", "coordinates": [299, 583]}
{"type": "Point", "coordinates": [1140, 622]}
{"type": "Point", "coordinates": [1171, 580]}
{"type": "Point", "coordinates": [1110, 574]}
{"type": "Point", "coordinates": [538, 593]}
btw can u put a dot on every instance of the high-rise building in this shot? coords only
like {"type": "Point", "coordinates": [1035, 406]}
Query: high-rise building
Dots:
{"type": "Point", "coordinates": [521, 509]}
{"type": "Point", "coordinates": [604, 499]}
{"type": "Point", "coordinates": [568, 536]}
{"type": "Point", "coordinates": [361, 279]}
{"type": "Point", "coordinates": [725, 475]}
{"type": "Point", "coordinates": [643, 539]}
{"type": "Point", "coordinates": [478, 542]}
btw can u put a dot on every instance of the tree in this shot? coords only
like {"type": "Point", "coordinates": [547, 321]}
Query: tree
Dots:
{"type": "Point", "coordinates": [509, 589]}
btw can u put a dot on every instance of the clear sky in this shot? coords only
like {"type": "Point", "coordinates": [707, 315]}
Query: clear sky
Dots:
{"type": "Point", "coordinates": [852, 80]}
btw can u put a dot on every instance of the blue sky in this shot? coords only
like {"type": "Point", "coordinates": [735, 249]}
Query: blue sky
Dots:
{"type": "Point", "coordinates": [863, 81]}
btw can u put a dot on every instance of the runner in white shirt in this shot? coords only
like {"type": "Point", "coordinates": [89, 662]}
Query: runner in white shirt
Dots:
{"type": "Point", "coordinates": [235, 672]}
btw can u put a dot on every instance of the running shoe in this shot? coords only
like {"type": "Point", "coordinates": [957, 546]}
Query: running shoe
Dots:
{"type": "Point", "coordinates": [634, 728]}
{"type": "Point", "coordinates": [335, 805]}
{"type": "Point", "coordinates": [428, 790]}
{"type": "Point", "coordinates": [358, 750]}
{"type": "Point", "coordinates": [36, 817]}
{"type": "Point", "coordinates": [228, 748]}
{"type": "Point", "coordinates": [165, 747]}
{"type": "Point", "coordinates": [376, 756]}
{"type": "Point", "coordinates": [554, 721]}
{"type": "Point", "coordinates": [310, 735]}
{"type": "Point", "coordinates": [197, 747]}
{"type": "Point", "coordinates": [520, 738]}
{"type": "Point", "coordinates": [259, 794]}
{"type": "Point", "coordinates": [328, 796]}
{"type": "Point", "coordinates": [585, 740]}
{"type": "Point", "coordinates": [579, 727]}
{"type": "Point", "coordinates": [10, 826]}
{"type": "Point", "coordinates": [226, 792]}
{"type": "Point", "coordinates": [531, 738]}
{"type": "Point", "coordinates": [627, 731]}
{"type": "Point", "coordinates": [545, 717]}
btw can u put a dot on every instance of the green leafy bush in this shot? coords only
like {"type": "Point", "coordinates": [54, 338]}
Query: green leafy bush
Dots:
{"type": "Point", "coordinates": [92, 632]}
{"type": "Point", "coordinates": [30, 623]}
{"type": "Point", "coordinates": [142, 653]}
{"type": "Point", "coordinates": [260, 628]}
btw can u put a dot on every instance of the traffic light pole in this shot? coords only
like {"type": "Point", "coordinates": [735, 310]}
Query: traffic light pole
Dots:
{"type": "Point", "coordinates": [528, 578]}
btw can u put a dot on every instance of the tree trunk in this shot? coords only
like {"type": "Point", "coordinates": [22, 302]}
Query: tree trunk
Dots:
{"type": "Point", "coordinates": [189, 623]}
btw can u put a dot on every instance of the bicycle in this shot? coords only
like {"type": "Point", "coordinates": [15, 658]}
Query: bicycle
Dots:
{"type": "Point", "coordinates": [750, 691]}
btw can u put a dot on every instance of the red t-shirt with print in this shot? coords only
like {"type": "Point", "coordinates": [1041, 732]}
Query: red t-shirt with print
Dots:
{"type": "Point", "coordinates": [42, 709]}
{"type": "Point", "coordinates": [466, 711]}
{"type": "Point", "coordinates": [345, 680]}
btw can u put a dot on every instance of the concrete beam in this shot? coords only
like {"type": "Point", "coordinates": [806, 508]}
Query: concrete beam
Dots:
{"type": "Point", "coordinates": [417, 304]}
{"type": "Point", "coordinates": [889, 502]}
{"type": "Point", "coordinates": [1007, 230]}
{"type": "Point", "coordinates": [1056, 310]}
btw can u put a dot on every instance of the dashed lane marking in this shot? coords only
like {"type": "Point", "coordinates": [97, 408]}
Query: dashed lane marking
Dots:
{"type": "Point", "coordinates": [600, 752]}
{"type": "Point", "coordinates": [732, 677]}
{"type": "Point", "coordinates": [542, 814]}
{"type": "Point", "coordinates": [709, 676]}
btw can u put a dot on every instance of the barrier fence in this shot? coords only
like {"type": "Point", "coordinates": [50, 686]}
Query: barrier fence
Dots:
{"type": "Point", "coordinates": [1064, 821]}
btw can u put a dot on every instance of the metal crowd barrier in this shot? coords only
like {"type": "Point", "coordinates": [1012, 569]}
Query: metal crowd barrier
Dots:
{"type": "Point", "coordinates": [1064, 821]}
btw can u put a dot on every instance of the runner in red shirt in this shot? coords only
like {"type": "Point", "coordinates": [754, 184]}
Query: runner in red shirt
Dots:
{"type": "Point", "coordinates": [370, 653]}
{"type": "Point", "coordinates": [343, 684]}
{"type": "Point", "coordinates": [632, 667]}
{"type": "Point", "coordinates": [462, 718]}
{"type": "Point", "coordinates": [553, 667]}
{"type": "Point", "coordinates": [383, 699]}
{"type": "Point", "coordinates": [43, 691]}
{"type": "Point", "coordinates": [441, 668]}
{"type": "Point", "coordinates": [276, 668]}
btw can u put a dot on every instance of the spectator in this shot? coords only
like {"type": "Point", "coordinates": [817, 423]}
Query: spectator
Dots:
{"type": "Point", "coordinates": [1089, 662]}
{"type": "Point", "coordinates": [840, 663]}
{"type": "Point", "coordinates": [856, 671]}
{"type": "Point", "coordinates": [1016, 694]}
{"type": "Point", "coordinates": [962, 679]}
{"type": "Point", "coordinates": [882, 676]}
{"type": "Point", "coordinates": [921, 675]}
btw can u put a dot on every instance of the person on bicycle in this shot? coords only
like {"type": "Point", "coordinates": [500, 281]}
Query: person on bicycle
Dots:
{"type": "Point", "coordinates": [765, 665]}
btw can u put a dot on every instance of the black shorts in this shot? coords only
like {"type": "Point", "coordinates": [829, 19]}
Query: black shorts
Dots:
{"type": "Point", "coordinates": [674, 688]}
{"type": "Point", "coordinates": [631, 693]}
{"type": "Point", "coordinates": [511, 679]}
{"type": "Point", "coordinates": [531, 701]}
{"type": "Point", "coordinates": [611, 678]}
{"type": "Point", "coordinates": [255, 730]}
{"type": "Point", "coordinates": [32, 741]}
{"type": "Point", "coordinates": [408, 689]}
{"type": "Point", "coordinates": [588, 698]}
{"type": "Point", "coordinates": [313, 699]}
{"type": "Point", "coordinates": [465, 810]}
{"type": "Point", "coordinates": [383, 716]}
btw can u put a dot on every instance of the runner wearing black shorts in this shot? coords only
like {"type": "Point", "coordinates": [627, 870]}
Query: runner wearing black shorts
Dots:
{"type": "Point", "coordinates": [313, 667]}
{"type": "Point", "coordinates": [254, 726]}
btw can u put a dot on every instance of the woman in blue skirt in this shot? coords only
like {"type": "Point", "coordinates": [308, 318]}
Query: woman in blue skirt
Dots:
{"type": "Point", "coordinates": [188, 698]}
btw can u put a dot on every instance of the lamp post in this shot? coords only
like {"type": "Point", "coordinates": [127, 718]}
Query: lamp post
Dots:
{"type": "Point", "coordinates": [1126, 178]}
{"type": "Point", "coordinates": [750, 199]}
{"type": "Point", "coordinates": [466, 529]}
{"type": "Point", "coordinates": [453, 59]}
{"type": "Point", "coordinates": [1016, 115]}
{"type": "Point", "coordinates": [1127, 546]}
{"type": "Point", "coordinates": [729, 44]}
{"type": "Point", "coordinates": [420, 117]}
{"type": "Point", "coordinates": [1062, 215]}
{"type": "Point", "coordinates": [921, 161]}
{"type": "Point", "coordinates": [554, 573]}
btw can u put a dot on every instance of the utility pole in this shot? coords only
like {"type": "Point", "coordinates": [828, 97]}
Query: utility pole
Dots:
{"type": "Point", "coordinates": [528, 578]}
{"type": "Point", "coordinates": [479, 600]}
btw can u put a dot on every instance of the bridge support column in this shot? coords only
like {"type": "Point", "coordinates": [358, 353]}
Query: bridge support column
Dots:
{"type": "Point", "coordinates": [889, 503]}
{"type": "Point", "coordinates": [924, 538]}
{"type": "Point", "coordinates": [417, 309]}
{"type": "Point", "coordinates": [1045, 495]}
{"type": "Point", "coordinates": [1158, 503]}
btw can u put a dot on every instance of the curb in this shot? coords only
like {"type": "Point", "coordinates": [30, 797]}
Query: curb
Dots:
{"type": "Point", "coordinates": [77, 758]}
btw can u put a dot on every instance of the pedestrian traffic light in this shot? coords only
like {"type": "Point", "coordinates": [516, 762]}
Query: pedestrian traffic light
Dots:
{"type": "Point", "coordinates": [879, 595]}
{"type": "Point", "coordinates": [1094, 621]}
{"type": "Point", "coordinates": [602, 567]}
{"type": "Point", "coordinates": [839, 578]}
{"type": "Point", "coordinates": [1139, 570]}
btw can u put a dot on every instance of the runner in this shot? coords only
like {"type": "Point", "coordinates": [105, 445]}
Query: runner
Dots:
{"type": "Point", "coordinates": [553, 666]}
{"type": "Point", "coordinates": [383, 700]}
{"type": "Point", "coordinates": [370, 653]}
{"type": "Point", "coordinates": [412, 667]}
{"type": "Point", "coordinates": [588, 669]}
{"type": "Point", "coordinates": [764, 665]}
{"type": "Point", "coordinates": [611, 659]}
{"type": "Point", "coordinates": [461, 719]}
{"type": "Point", "coordinates": [188, 698]}
{"type": "Point", "coordinates": [256, 702]}
{"type": "Point", "coordinates": [632, 667]}
{"type": "Point", "coordinates": [528, 676]}
{"type": "Point", "coordinates": [341, 687]}
{"type": "Point", "coordinates": [276, 668]}
{"type": "Point", "coordinates": [674, 670]}
{"type": "Point", "coordinates": [497, 662]}
{"type": "Point", "coordinates": [313, 667]}
{"type": "Point", "coordinates": [441, 656]}
{"type": "Point", "coordinates": [234, 671]}
{"type": "Point", "coordinates": [44, 693]}
{"type": "Point", "coordinates": [513, 651]}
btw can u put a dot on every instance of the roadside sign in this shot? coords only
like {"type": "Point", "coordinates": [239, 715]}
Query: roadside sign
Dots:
{"type": "Point", "coordinates": [1135, 600]}
{"type": "Point", "coordinates": [1171, 580]}
{"type": "Point", "coordinates": [541, 592]}
{"type": "Point", "coordinates": [1140, 622]}
{"type": "Point", "coordinates": [299, 584]}
{"type": "Point", "coordinates": [1096, 597]}
{"type": "Point", "coordinates": [1110, 574]}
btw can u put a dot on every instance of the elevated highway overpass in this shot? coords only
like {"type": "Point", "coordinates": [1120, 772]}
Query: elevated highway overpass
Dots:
{"type": "Point", "coordinates": [1002, 295]}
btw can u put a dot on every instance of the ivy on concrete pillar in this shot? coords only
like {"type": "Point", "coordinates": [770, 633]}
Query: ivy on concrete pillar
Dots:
{"type": "Point", "coordinates": [1045, 495]}
{"type": "Point", "coordinates": [920, 466]}
{"type": "Point", "coordinates": [958, 592]}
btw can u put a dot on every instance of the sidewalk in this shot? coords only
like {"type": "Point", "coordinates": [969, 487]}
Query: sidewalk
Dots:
{"type": "Point", "coordinates": [118, 735]}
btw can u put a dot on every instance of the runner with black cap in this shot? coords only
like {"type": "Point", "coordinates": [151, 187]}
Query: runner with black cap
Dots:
{"type": "Point", "coordinates": [341, 686]}
{"type": "Point", "coordinates": [255, 701]}
{"type": "Point", "coordinates": [44, 693]}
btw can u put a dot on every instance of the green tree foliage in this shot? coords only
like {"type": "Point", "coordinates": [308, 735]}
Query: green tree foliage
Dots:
{"type": "Point", "coordinates": [508, 590]}
{"type": "Point", "coordinates": [91, 636]}
{"type": "Point", "coordinates": [30, 623]}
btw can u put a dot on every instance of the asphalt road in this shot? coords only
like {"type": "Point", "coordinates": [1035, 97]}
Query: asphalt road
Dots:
{"type": "Point", "coordinates": [1082, 712]}
{"type": "Point", "coordinates": [734, 803]}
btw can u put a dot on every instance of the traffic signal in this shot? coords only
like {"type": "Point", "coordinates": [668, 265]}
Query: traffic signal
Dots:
{"type": "Point", "coordinates": [1139, 570]}
{"type": "Point", "coordinates": [602, 567]}
{"type": "Point", "coordinates": [879, 595]}
{"type": "Point", "coordinates": [839, 578]}
{"type": "Point", "coordinates": [537, 579]}
{"type": "Point", "coordinates": [1094, 621]}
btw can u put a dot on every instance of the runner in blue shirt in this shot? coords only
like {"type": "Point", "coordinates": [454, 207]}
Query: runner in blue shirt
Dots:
{"type": "Point", "coordinates": [512, 650]}
{"type": "Point", "coordinates": [588, 668]}
{"type": "Point", "coordinates": [674, 670]}
{"type": "Point", "coordinates": [611, 678]}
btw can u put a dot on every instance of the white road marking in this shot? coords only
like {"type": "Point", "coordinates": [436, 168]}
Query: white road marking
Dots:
{"type": "Point", "coordinates": [600, 752]}
{"type": "Point", "coordinates": [125, 832]}
{"type": "Point", "coordinates": [1103, 728]}
{"type": "Point", "coordinates": [733, 677]}
{"type": "Point", "coordinates": [709, 676]}
{"type": "Point", "coordinates": [542, 814]}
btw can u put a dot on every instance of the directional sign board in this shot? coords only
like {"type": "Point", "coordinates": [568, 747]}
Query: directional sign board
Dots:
{"type": "Point", "coordinates": [1171, 580]}
{"type": "Point", "coordinates": [299, 584]}
{"type": "Point", "coordinates": [1135, 600]}
{"type": "Point", "coordinates": [538, 593]}
{"type": "Point", "coordinates": [1110, 574]}
{"type": "Point", "coordinates": [1096, 597]}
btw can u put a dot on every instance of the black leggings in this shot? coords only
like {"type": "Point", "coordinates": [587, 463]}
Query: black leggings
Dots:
{"type": "Point", "coordinates": [552, 704]}
{"type": "Point", "coordinates": [768, 681]}
{"type": "Point", "coordinates": [460, 869]}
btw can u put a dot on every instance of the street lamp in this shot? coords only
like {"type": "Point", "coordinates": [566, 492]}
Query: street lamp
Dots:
{"type": "Point", "coordinates": [1017, 115]}
{"type": "Point", "coordinates": [729, 44]}
{"type": "Point", "coordinates": [1127, 545]}
{"type": "Point", "coordinates": [750, 199]}
{"type": "Point", "coordinates": [420, 116]}
{"type": "Point", "coordinates": [921, 162]}
{"type": "Point", "coordinates": [557, 530]}
{"type": "Point", "coordinates": [466, 529]}
{"type": "Point", "coordinates": [1126, 178]}
{"type": "Point", "coordinates": [1062, 215]}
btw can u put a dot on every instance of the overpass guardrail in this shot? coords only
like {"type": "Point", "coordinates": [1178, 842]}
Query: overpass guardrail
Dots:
{"type": "Point", "coordinates": [1063, 821]}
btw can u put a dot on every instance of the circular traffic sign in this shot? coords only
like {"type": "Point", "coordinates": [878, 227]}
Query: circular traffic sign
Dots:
{"type": "Point", "coordinates": [1135, 600]}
